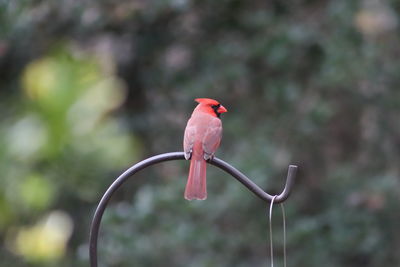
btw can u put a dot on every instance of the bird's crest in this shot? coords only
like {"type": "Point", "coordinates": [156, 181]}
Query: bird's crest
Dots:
{"type": "Point", "coordinates": [207, 101]}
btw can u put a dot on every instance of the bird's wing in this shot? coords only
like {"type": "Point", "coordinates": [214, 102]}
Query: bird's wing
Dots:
{"type": "Point", "coordinates": [189, 138]}
{"type": "Point", "coordinates": [212, 138]}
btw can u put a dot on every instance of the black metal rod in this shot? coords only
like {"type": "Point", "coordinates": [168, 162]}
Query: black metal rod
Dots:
{"type": "Point", "coordinates": [94, 229]}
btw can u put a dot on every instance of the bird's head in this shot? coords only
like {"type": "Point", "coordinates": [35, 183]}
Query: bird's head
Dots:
{"type": "Point", "coordinates": [211, 106]}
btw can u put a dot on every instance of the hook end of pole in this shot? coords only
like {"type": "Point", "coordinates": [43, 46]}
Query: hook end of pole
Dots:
{"type": "Point", "coordinates": [291, 176]}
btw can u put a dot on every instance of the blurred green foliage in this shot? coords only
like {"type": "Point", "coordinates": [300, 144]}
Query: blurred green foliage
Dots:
{"type": "Point", "coordinates": [88, 88]}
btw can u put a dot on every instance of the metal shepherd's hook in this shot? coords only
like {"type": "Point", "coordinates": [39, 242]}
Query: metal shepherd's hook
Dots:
{"type": "Point", "coordinates": [94, 229]}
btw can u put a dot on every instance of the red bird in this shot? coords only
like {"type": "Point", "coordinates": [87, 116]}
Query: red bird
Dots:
{"type": "Point", "coordinates": [202, 137]}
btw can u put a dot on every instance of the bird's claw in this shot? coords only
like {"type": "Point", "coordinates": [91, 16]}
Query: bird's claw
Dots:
{"type": "Point", "coordinates": [188, 155]}
{"type": "Point", "coordinates": [208, 157]}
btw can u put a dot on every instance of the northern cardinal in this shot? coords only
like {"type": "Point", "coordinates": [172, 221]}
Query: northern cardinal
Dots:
{"type": "Point", "coordinates": [202, 138]}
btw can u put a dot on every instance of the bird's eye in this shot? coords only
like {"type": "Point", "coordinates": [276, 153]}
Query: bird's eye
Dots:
{"type": "Point", "coordinates": [215, 106]}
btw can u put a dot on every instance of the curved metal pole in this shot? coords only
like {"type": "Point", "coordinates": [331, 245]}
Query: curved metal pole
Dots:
{"type": "Point", "coordinates": [94, 229]}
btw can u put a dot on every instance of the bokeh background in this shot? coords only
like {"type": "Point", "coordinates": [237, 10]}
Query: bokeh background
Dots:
{"type": "Point", "coordinates": [88, 88]}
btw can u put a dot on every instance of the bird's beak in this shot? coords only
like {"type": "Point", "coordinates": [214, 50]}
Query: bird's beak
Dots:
{"type": "Point", "coordinates": [222, 109]}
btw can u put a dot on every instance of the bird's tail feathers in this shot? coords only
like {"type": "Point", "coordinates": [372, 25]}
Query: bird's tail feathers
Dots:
{"type": "Point", "coordinates": [196, 187]}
